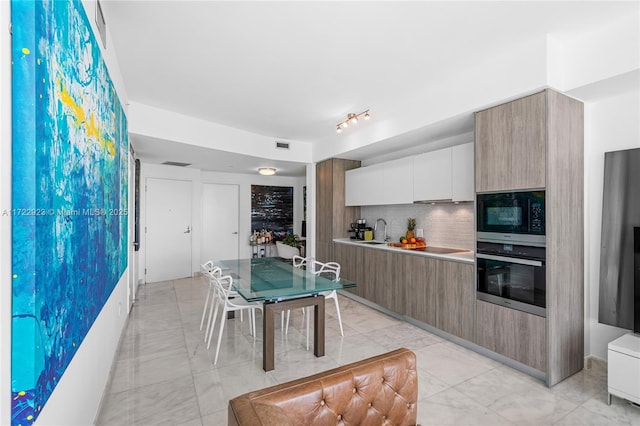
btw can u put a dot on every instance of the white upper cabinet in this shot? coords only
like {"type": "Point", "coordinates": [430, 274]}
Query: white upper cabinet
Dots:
{"type": "Point", "coordinates": [462, 174]}
{"type": "Point", "coordinates": [363, 186]}
{"type": "Point", "coordinates": [432, 176]}
{"type": "Point", "coordinates": [398, 181]}
{"type": "Point", "coordinates": [445, 174]}
{"type": "Point", "coordinates": [380, 184]}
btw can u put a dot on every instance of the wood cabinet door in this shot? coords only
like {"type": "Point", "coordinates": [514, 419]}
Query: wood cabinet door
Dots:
{"type": "Point", "coordinates": [511, 145]}
{"type": "Point", "coordinates": [456, 297]}
{"type": "Point", "coordinates": [324, 209]}
{"type": "Point", "coordinates": [515, 334]}
{"type": "Point", "coordinates": [379, 275]}
{"type": "Point", "coordinates": [332, 217]}
{"type": "Point", "coordinates": [421, 292]}
{"type": "Point", "coordinates": [351, 265]}
{"type": "Point", "coordinates": [341, 216]}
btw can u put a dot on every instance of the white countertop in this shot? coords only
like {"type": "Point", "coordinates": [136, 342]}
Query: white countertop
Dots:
{"type": "Point", "coordinates": [464, 257]}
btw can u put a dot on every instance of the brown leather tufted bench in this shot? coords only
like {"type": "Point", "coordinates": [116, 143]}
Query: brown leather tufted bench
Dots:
{"type": "Point", "coordinates": [382, 390]}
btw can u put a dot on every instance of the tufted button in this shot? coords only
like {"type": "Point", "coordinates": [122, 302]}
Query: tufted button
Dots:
{"type": "Point", "coordinates": [322, 402]}
{"type": "Point", "coordinates": [396, 393]}
{"type": "Point", "coordinates": [384, 417]}
{"type": "Point", "coordinates": [355, 390]}
{"type": "Point", "coordinates": [339, 417]}
{"type": "Point", "coordinates": [382, 379]}
{"type": "Point", "coordinates": [369, 405]}
{"type": "Point", "coordinates": [408, 405]}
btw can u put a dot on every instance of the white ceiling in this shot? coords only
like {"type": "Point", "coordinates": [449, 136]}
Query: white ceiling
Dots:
{"type": "Point", "coordinates": [293, 70]}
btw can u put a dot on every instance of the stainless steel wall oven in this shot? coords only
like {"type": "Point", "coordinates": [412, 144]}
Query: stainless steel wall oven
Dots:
{"type": "Point", "coordinates": [511, 252]}
{"type": "Point", "coordinates": [513, 276]}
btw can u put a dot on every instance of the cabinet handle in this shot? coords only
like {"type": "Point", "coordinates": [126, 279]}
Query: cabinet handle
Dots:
{"type": "Point", "coordinates": [509, 259]}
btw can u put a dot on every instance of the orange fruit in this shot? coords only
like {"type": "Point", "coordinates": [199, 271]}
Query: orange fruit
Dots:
{"type": "Point", "coordinates": [412, 240]}
{"type": "Point", "coordinates": [404, 241]}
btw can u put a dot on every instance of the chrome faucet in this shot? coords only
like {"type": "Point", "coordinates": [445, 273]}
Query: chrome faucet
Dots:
{"type": "Point", "coordinates": [375, 228]}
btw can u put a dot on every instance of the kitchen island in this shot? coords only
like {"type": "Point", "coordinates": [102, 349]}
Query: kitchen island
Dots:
{"type": "Point", "coordinates": [431, 288]}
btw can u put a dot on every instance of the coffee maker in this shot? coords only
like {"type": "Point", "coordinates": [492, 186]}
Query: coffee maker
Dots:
{"type": "Point", "coordinates": [358, 229]}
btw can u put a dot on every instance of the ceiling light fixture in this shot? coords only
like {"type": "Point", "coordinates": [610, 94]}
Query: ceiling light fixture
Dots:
{"type": "Point", "coordinates": [352, 119]}
{"type": "Point", "coordinates": [267, 171]}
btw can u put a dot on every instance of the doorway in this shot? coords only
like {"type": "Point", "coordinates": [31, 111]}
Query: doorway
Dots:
{"type": "Point", "coordinates": [168, 229]}
{"type": "Point", "coordinates": [220, 207]}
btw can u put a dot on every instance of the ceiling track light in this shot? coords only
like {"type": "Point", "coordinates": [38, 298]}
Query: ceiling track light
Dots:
{"type": "Point", "coordinates": [352, 119]}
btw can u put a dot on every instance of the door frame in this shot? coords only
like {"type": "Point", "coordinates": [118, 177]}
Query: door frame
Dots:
{"type": "Point", "coordinates": [132, 283]}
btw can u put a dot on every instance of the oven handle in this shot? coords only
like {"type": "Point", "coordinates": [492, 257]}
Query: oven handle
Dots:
{"type": "Point", "coordinates": [510, 259]}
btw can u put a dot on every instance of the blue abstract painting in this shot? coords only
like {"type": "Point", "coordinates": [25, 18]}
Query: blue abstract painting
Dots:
{"type": "Point", "coordinates": [69, 207]}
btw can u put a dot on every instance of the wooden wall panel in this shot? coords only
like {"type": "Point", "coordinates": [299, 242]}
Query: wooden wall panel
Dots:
{"type": "Point", "coordinates": [565, 240]}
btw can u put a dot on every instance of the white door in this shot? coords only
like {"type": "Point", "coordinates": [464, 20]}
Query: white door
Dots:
{"type": "Point", "coordinates": [220, 206]}
{"type": "Point", "coordinates": [168, 229]}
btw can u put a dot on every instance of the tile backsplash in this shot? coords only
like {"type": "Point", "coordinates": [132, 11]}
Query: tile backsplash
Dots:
{"type": "Point", "coordinates": [444, 225]}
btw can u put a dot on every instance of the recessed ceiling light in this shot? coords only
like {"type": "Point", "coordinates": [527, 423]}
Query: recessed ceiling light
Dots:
{"type": "Point", "coordinates": [267, 171]}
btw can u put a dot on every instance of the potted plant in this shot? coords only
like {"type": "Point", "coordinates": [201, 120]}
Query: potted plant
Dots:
{"type": "Point", "coordinates": [291, 240]}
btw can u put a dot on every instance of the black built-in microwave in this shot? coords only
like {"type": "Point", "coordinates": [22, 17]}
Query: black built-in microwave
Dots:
{"type": "Point", "coordinates": [516, 217]}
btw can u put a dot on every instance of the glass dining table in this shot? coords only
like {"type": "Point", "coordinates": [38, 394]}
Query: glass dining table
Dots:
{"type": "Point", "coordinates": [281, 286]}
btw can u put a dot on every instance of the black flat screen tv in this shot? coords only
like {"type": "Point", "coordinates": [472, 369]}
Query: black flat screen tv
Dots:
{"type": "Point", "coordinates": [620, 215]}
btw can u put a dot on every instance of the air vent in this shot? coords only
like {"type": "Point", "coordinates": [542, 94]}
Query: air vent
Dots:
{"type": "Point", "coordinates": [175, 163]}
{"type": "Point", "coordinates": [282, 145]}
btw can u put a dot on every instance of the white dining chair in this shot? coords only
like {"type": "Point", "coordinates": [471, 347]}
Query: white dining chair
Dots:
{"type": "Point", "coordinates": [223, 298]}
{"type": "Point", "coordinates": [217, 273]}
{"type": "Point", "coordinates": [207, 269]}
{"type": "Point", "coordinates": [298, 262]}
{"type": "Point", "coordinates": [328, 268]}
{"type": "Point", "coordinates": [318, 268]}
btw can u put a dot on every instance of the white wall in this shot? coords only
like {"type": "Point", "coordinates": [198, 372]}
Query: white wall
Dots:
{"type": "Point", "coordinates": [155, 122]}
{"type": "Point", "coordinates": [611, 124]}
{"type": "Point", "coordinates": [197, 178]}
{"type": "Point", "coordinates": [605, 52]}
{"type": "Point", "coordinates": [76, 399]}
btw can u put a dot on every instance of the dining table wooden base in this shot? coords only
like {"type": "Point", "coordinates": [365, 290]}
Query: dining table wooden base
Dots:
{"type": "Point", "coordinates": [273, 307]}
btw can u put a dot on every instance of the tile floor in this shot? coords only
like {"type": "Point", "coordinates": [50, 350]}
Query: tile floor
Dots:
{"type": "Point", "coordinates": [164, 374]}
